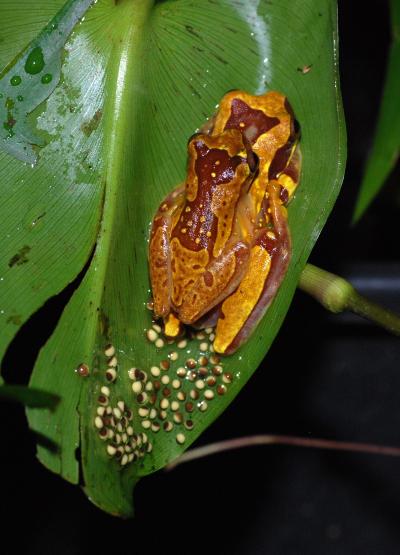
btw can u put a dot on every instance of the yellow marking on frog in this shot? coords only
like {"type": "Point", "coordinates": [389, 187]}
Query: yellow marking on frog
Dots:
{"type": "Point", "coordinates": [237, 308]}
{"type": "Point", "coordinates": [176, 215]}
{"type": "Point", "coordinates": [272, 104]}
{"type": "Point", "coordinates": [257, 192]}
{"type": "Point", "coordinates": [192, 181]}
{"type": "Point", "coordinates": [172, 326]}
{"type": "Point", "coordinates": [287, 182]}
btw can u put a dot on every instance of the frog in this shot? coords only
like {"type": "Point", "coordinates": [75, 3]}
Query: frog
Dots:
{"type": "Point", "coordinates": [220, 242]}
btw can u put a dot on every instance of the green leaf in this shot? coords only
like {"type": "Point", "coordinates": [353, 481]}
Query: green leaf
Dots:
{"type": "Point", "coordinates": [30, 79]}
{"type": "Point", "coordinates": [119, 124]}
{"type": "Point", "coordinates": [28, 396]}
{"type": "Point", "coordinates": [386, 145]}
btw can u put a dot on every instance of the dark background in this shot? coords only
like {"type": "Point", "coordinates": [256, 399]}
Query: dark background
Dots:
{"type": "Point", "coordinates": [326, 376]}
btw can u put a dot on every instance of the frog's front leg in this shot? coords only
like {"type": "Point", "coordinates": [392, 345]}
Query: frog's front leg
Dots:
{"type": "Point", "coordinates": [268, 262]}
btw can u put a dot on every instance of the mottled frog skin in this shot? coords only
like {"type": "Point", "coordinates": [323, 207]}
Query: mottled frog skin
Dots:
{"type": "Point", "coordinates": [220, 242]}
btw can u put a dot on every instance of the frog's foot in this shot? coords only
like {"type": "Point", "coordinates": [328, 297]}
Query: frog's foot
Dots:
{"type": "Point", "coordinates": [173, 327]}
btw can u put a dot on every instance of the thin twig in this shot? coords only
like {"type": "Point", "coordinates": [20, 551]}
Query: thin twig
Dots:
{"type": "Point", "coordinates": [251, 441]}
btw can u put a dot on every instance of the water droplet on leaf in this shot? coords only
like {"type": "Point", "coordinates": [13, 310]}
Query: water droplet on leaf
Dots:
{"type": "Point", "coordinates": [15, 80]}
{"type": "Point", "coordinates": [35, 61]}
{"type": "Point", "coordinates": [47, 78]}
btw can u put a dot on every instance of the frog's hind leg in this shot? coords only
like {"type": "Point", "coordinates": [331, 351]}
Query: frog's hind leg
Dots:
{"type": "Point", "coordinates": [219, 280]}
{"type": "Point", "coordinates": [269, 259]}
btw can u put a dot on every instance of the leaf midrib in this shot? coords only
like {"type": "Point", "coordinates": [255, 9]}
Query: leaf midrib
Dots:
{"type": "Point", "coordinates": [128, 47]}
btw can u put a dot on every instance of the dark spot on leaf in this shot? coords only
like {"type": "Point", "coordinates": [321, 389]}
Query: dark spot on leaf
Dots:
{"type": "Point", "coordinates": [220, 59]}
{"type": "Point", "coordinates": [195, 91]}
{"type": "Point", "coordinates": [190, 30]}
{"type": "Point", "coordinates": [89, 126]}
{"type": "Point", "coordinates": [19, 258]}
{"type": "Point", "coordinates": [104, 323]}
{"type": "Point", "coordinates": [305, 69]}
{"type": "Point", "coordinates": [37, 219]}
{"type": "Point", "coordinates": [14, 319]}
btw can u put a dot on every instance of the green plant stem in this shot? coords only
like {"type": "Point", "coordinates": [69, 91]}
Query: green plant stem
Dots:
{"type": "Point", "coordinates": [337, 295]}
{"type": "Point", "coordinates": [252, 441]}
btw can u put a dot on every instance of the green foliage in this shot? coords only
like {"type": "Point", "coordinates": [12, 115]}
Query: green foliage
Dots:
{"type": "Point", "coordinates": [137, 80]}
{"type": "Point", "coordinates": [386, 146]}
